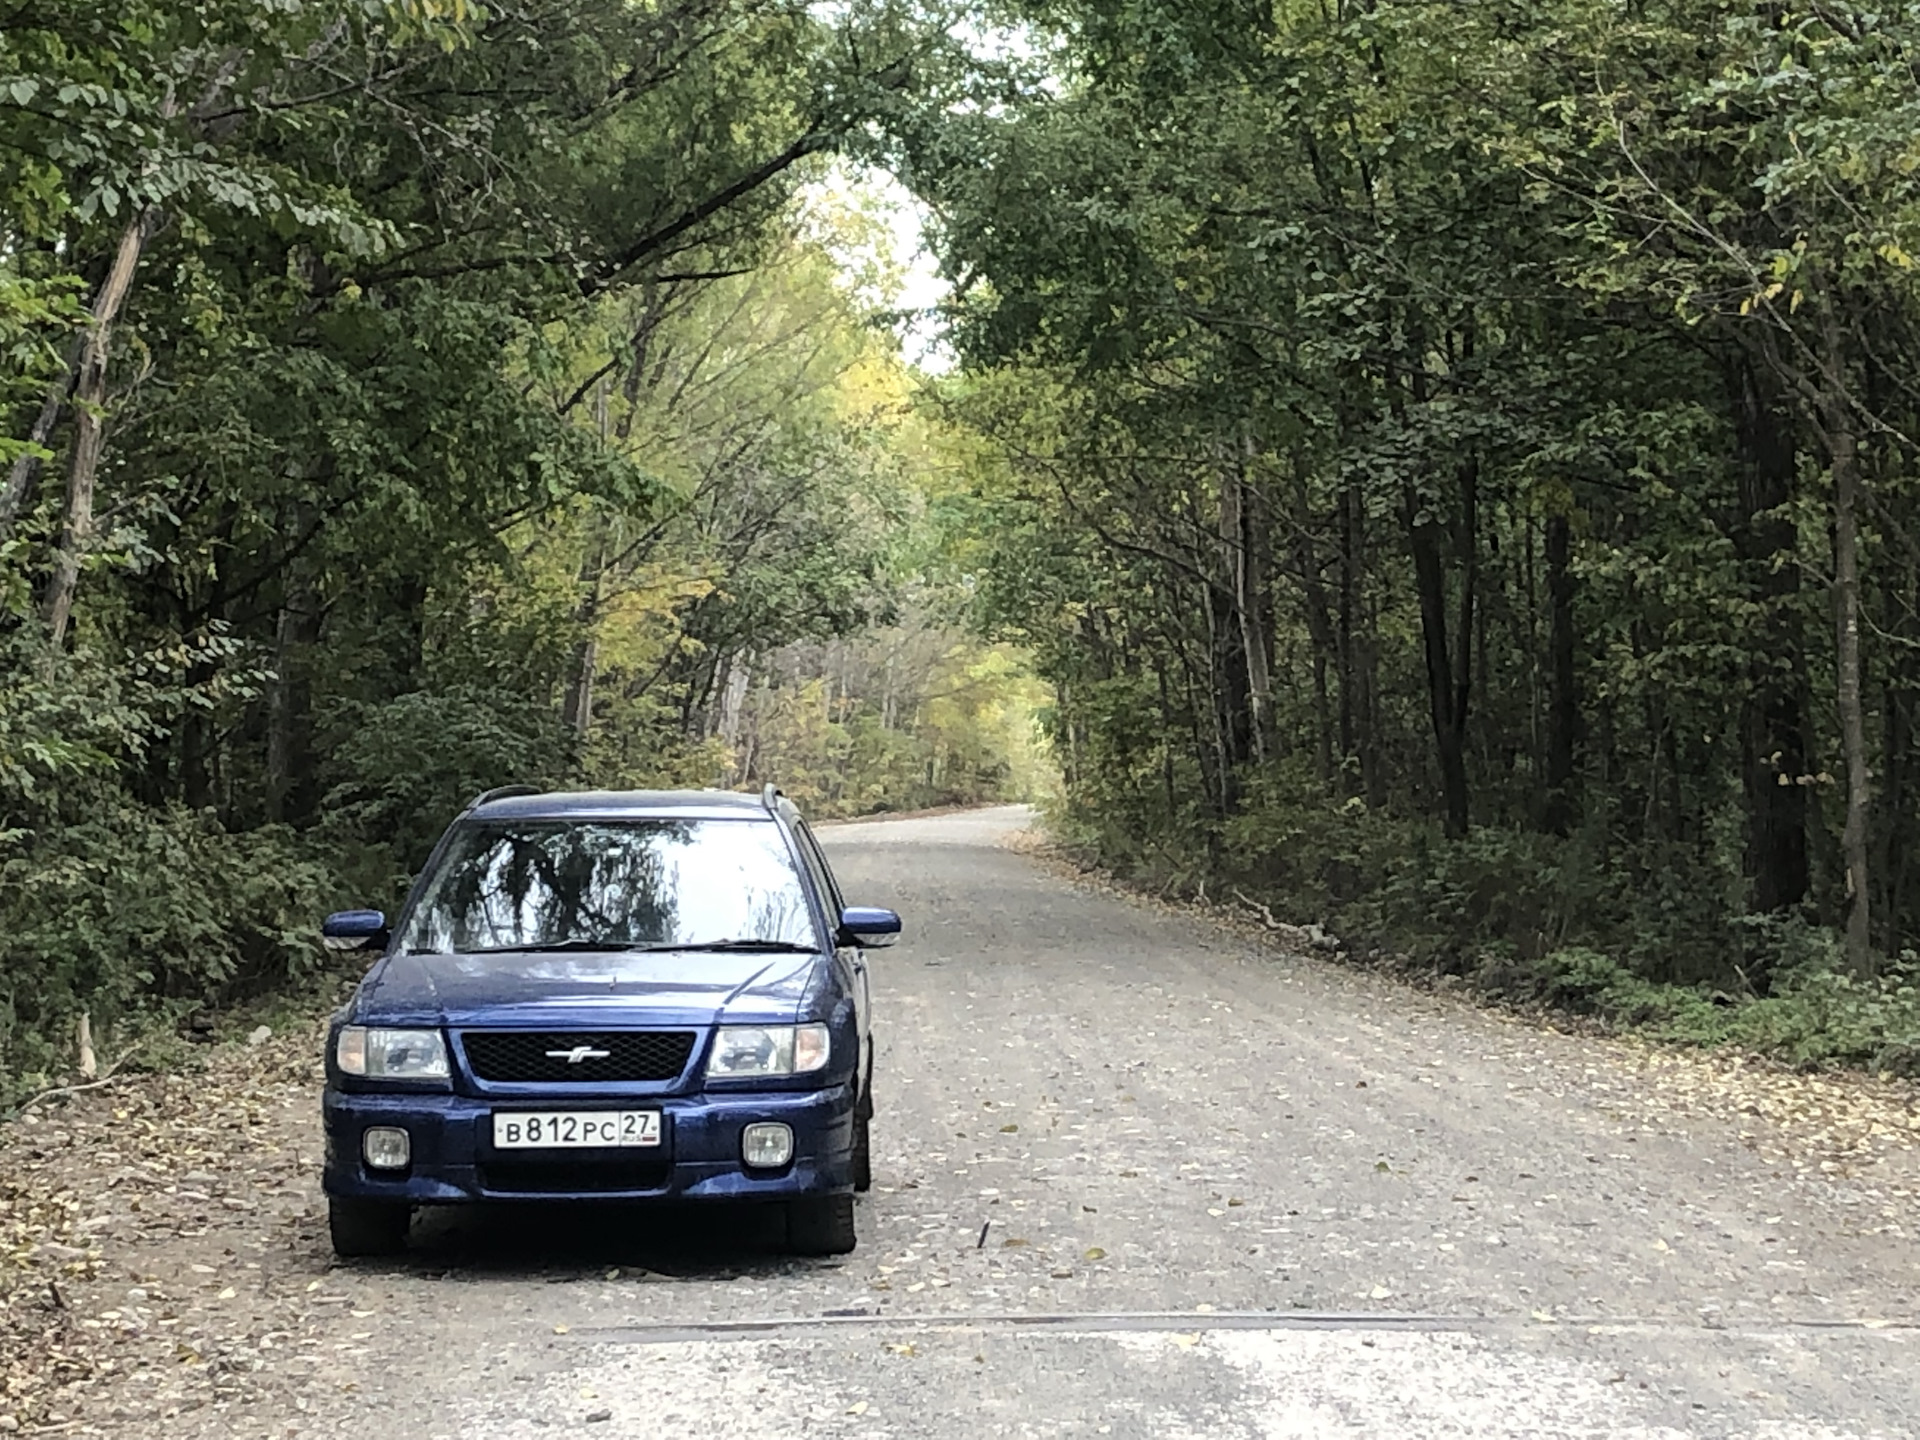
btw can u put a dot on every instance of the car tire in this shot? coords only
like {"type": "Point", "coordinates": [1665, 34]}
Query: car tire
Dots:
{"type": "Point", "coordinates": [367, 1227]}
{"type": "Point", "coordinates": [821, 1225]}
{"type": "Point", "coordinates": [862, 1152]}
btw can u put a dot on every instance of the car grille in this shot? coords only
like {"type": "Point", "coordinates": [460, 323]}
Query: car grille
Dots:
{"type": "Point", "coordinates": [543, 1055]}
{"type": "Point", "coordinates": [560, 1177]}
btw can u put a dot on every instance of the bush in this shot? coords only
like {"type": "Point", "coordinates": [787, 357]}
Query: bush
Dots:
{"type": "Point", "coordinates": [127, 906]}
{"type": "Point", "coordinates": [399, 771]}
{"type": "Point", "coordinates": [1649, 936]}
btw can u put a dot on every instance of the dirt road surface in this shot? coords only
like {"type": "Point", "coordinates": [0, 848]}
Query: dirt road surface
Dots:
{"type": "Point", "coordinates": [1138, 1175]}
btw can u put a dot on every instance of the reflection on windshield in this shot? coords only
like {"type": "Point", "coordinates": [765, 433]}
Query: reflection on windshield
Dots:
{"type": "Point", "coordinates": [504, 885]}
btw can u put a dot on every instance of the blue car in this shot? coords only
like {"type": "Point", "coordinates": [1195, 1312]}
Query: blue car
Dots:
{"type": "Point", "coordinates": [608, 996]}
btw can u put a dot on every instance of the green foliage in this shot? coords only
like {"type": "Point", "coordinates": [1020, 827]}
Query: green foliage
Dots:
{"type": "Point", "coordinates": [1411, 442]}
{"type": "Point", "coordinates": [476, 394]}
{"type": "Point", "coordinates": [402, 769]}
{"type": "Point", "coordinates": [121, 905]}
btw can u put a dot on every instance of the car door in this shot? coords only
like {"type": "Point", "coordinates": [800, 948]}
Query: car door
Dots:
{"type": "Point", "coordinates": [851, 958]}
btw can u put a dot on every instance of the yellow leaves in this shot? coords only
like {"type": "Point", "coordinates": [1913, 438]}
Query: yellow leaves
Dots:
{"type": "Point", "coordinates": [446, 23]}
{"type": "Point", "coordinates": [1894, 255]}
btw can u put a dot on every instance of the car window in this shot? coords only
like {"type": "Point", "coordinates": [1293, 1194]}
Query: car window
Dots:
{"type": "Point", "coordinates": [822, 872]}
{"type": "Point", "coordinates": [505, 884]}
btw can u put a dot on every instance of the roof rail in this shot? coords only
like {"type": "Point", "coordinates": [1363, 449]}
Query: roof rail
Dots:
{"type": "Point", "coordinates": [769, 795]}
{"type": "Point", "coordinates": [501, 792]}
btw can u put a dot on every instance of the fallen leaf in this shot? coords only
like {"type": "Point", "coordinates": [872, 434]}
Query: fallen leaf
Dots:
{"type": "Point", "coordinates": [1186, 1341]}
{"type": "Point", "coordinates": [1094, 1252]}
{"type": "Point", "coordinates": [860, 1408]}
{"type": "Point", "coordinates": [1009, 1129]}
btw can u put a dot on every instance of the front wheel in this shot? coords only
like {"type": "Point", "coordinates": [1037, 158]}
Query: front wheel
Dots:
{"type": "Point", "coordinates": [862, 1153]}
{"type": "Point", "coordinates": [821, 1225]}
{"type": "Point", "coordinates": [367, 1227]}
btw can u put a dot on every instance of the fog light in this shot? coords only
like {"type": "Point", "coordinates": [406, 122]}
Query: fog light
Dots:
{"type": "Point", "coordinates": [386, 1148]}
{"type": "Point", "coordinates": [766, 1146]}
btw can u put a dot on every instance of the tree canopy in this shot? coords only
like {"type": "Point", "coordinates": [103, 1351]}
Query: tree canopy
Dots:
{"type": "Point", "coordinates": [1456, 467]}
{"type": "Point", "coordinates": [1451, 469]}
{"type": "Point", "coordinates": [411, 396]}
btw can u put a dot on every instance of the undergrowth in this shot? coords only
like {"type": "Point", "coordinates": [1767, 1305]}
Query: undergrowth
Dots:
{"type": "Point", "coordinates": [1647, 938]}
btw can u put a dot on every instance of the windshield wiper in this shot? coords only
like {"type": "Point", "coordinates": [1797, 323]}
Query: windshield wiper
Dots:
{"type": "Point", "coordinates": [771, 947]}
{"type": "Point", "coordinates": [549, 947]}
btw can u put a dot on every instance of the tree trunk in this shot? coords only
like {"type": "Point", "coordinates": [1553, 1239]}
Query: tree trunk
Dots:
{"type": "Point", "coordinates": [1243, 536]}
{"type": "Point", "coordinates": [1896, 782]}
{"type": "Point", "coordinates": [1231, 703]}
{"type": "Point", "coordinates": [291, 762]}
{"type": "Point", "coordinates": [26, 466]}
{"type": "Point", "coordinates": [576, 708]}
{"type": "Point", "coordinates": [1360, 623]}
{"type": "Point", "coordinates": [1773, 720]}
{"type": "Point", "coordinates": [1345, 646]}
{"type": "Point", "coordinates": [1321, 630]}
{"type": "Point", "coordinates": [1449, 661]}
{"type": "Point", "coordinates": [1843, 452]}
{"type": "Point", "coordinates": [89, 434]}
{"type": "Point", "coordinates": [1563, 709]}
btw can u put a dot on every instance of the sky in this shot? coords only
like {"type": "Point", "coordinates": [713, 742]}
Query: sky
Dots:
{"type": "Point", "coordinates": [891, 263]}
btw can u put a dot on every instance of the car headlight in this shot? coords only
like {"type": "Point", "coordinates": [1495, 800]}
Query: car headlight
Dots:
{"type": "Point", "coordinates": [391, 1054]}
{"type": "Point", "coordinates": [740, 1051]}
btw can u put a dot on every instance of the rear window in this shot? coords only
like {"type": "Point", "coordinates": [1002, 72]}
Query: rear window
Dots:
{"type": "Point", "coordinates": [506, 884]}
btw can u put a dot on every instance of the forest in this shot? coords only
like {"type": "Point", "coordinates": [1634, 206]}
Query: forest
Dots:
{"type": "Point", "coordinates": [1456, 465]}
{"type": "Point", "coordinates": [407, 397]}
{"type": "Point", "coordinates": [1441, 472]}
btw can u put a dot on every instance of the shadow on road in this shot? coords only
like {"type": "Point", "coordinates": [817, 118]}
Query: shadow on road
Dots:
{"type": "Point", "coordinates": [704, 1242]}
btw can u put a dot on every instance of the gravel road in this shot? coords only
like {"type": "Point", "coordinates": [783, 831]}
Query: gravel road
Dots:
{"type": "Point", "coordinates": [1138, 1175]}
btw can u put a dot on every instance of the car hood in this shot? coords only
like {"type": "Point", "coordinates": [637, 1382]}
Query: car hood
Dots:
{"type": "Point", "coordinates": [666, 987]}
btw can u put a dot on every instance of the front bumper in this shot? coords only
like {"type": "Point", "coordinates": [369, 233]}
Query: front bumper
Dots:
{"type": "Point", "coordinates": [454, 1159]}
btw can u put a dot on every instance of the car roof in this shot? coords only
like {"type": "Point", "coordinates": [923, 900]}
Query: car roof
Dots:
{"type": "Point", "coordinates": [623, 805]}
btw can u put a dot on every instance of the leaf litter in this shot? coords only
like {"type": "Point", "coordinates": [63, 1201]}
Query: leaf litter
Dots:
{"type": "Point", "coordinates": [162, 1246]}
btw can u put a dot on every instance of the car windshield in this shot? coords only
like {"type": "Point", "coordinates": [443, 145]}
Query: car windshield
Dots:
{"type": "Point", "coordinates": [541, 884]}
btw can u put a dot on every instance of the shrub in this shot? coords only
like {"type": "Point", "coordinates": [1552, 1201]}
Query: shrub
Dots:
{"type": "Point", "coordinates": [128, 905]}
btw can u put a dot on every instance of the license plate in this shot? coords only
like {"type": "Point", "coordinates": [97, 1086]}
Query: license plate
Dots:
{"type": "Point", "coordinates": [575, 1129]}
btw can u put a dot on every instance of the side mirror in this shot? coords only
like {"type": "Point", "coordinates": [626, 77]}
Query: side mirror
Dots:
{"type": "Point", "coordinates": [354, 930]}
{"type": "Point", "coordinates": [869, 929]}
